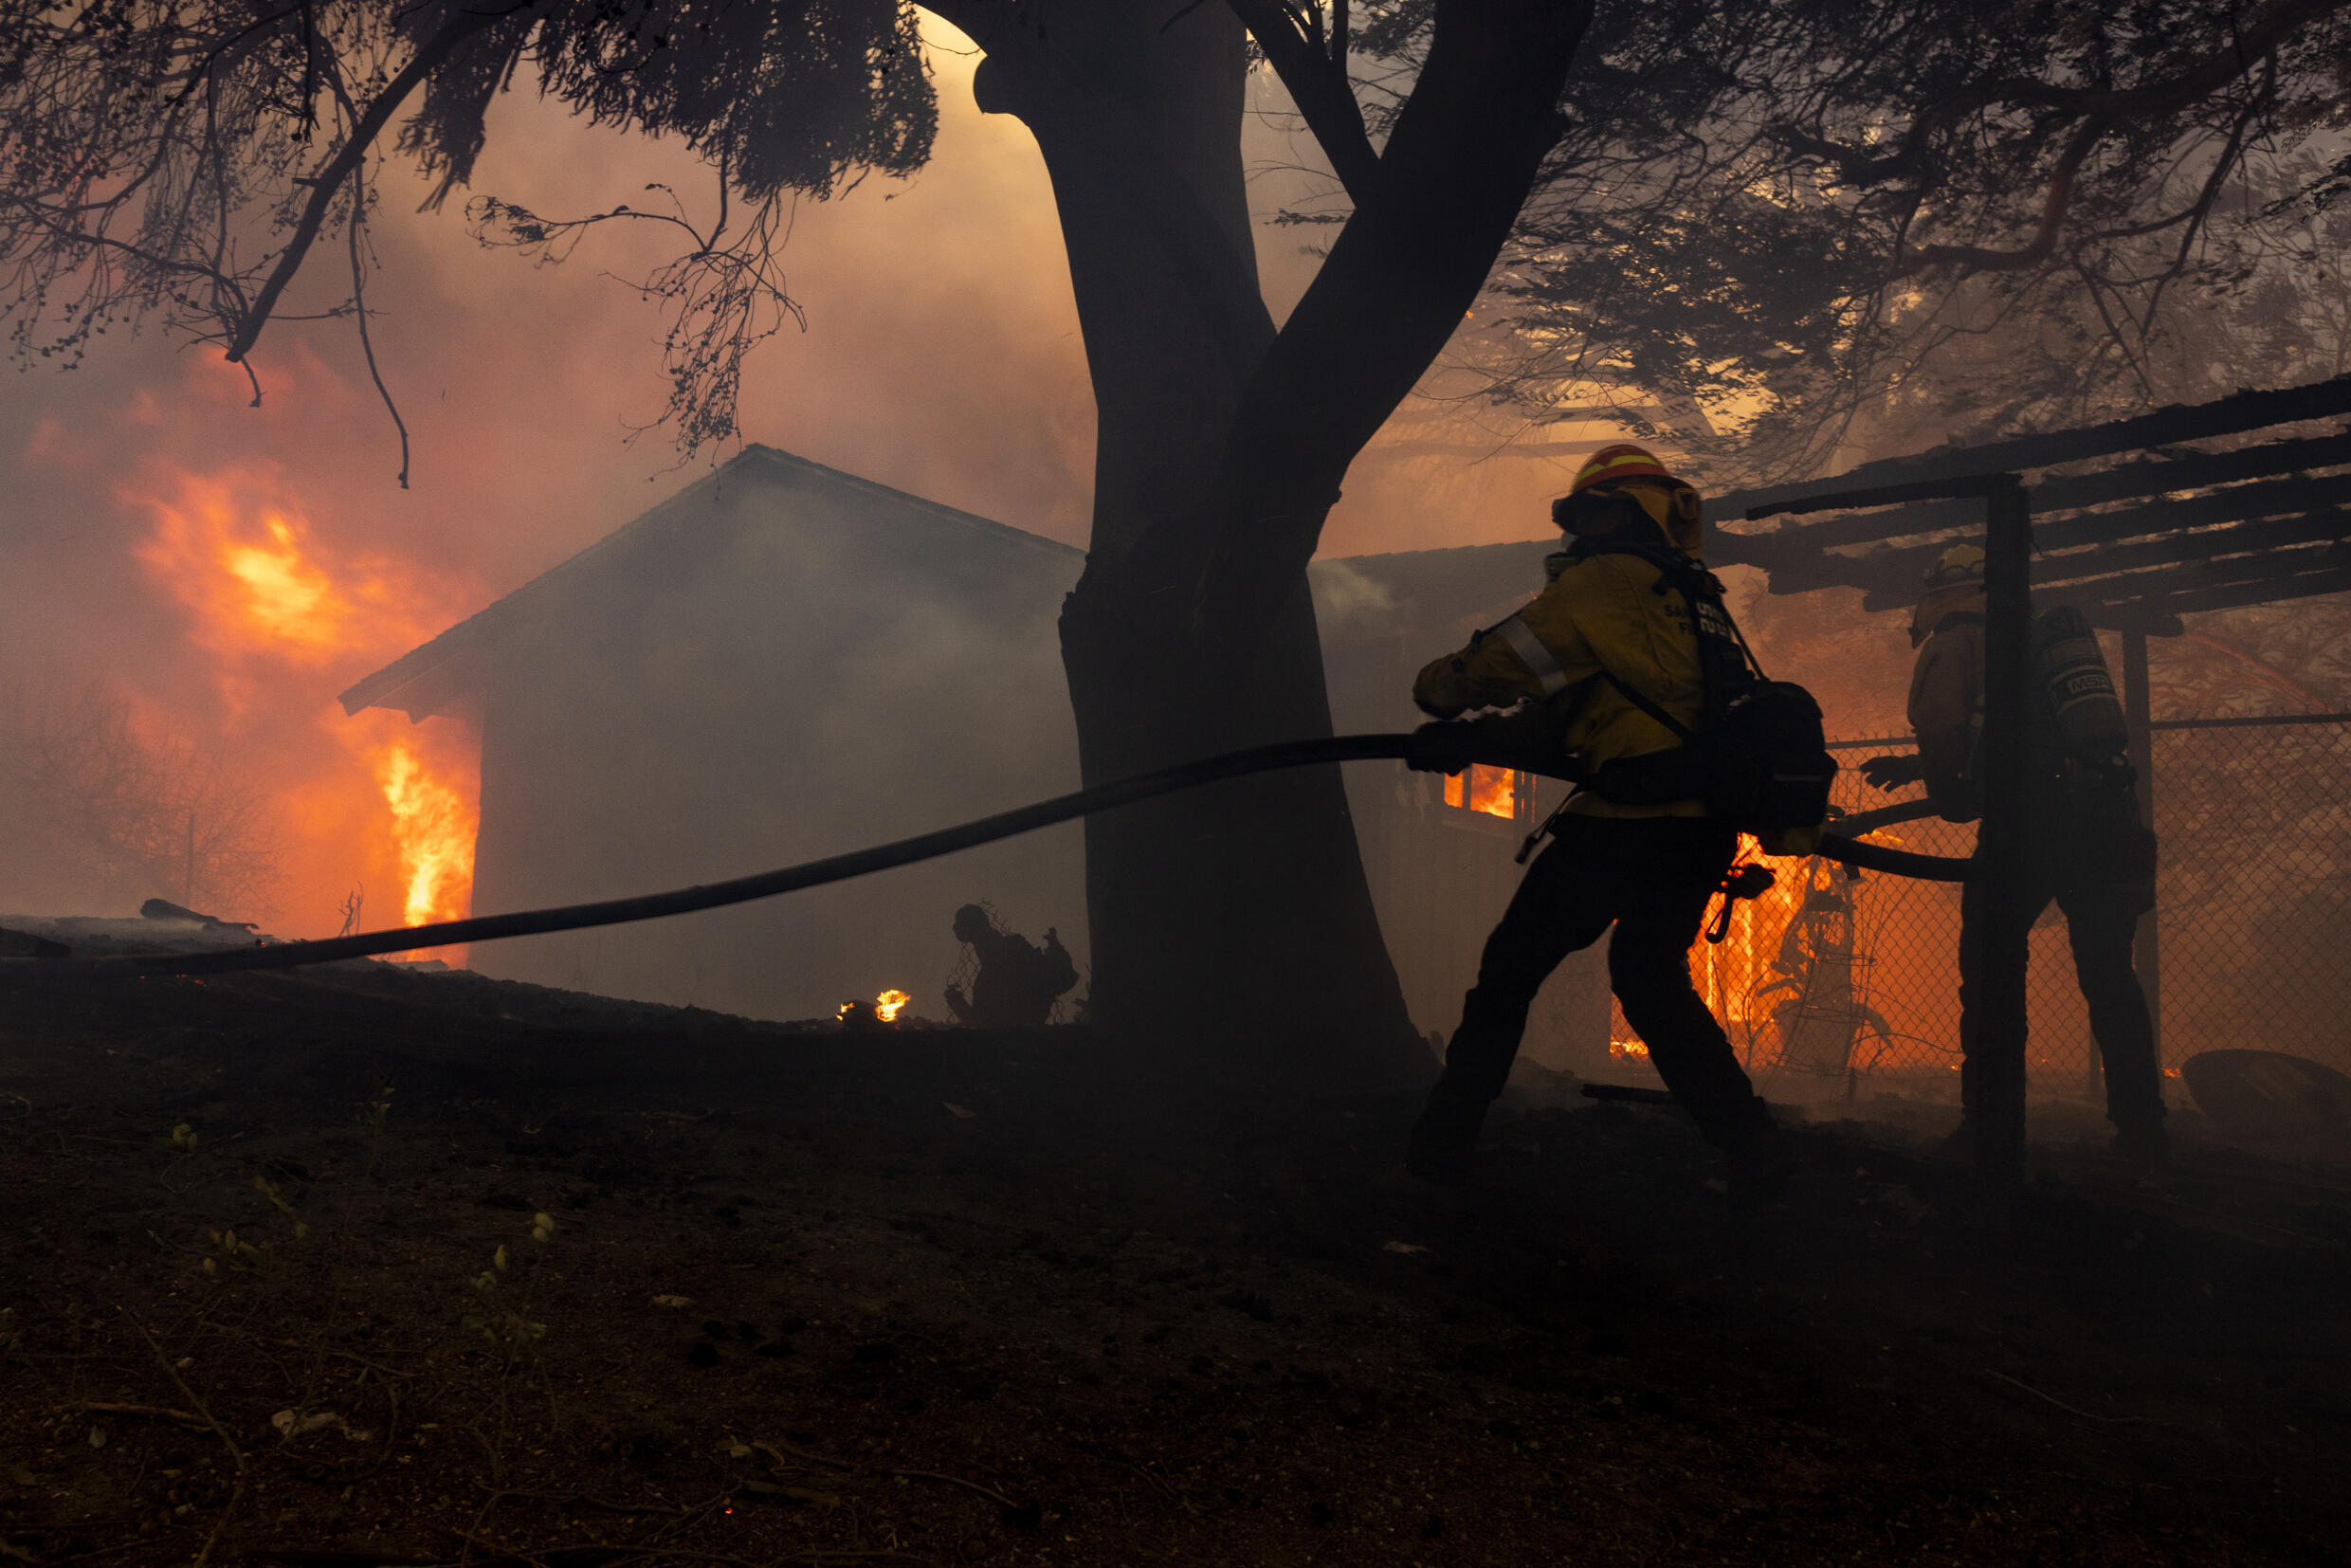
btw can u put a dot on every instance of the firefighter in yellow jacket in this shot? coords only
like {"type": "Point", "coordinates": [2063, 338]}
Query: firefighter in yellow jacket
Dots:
{"type": "Point", "coordinates": [2085, 849]}
{"type": "Point", "coordinates": [1649, 869]}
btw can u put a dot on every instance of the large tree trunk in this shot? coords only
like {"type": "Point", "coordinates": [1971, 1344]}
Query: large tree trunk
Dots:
{"type": "Point", "coordinates": [1238, 917]}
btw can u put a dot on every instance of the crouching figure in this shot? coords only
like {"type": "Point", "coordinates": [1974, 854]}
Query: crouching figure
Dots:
{"type": "Point", "coordinates": [1014, 983]}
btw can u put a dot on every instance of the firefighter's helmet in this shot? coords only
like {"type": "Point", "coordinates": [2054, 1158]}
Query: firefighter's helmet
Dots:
{"type": "Point", "coordinates": [1962, 566]}
{"type": "Point", "coordinates": [1634, 472]}
{"type": "Point", "coordinates": [1611, 465]}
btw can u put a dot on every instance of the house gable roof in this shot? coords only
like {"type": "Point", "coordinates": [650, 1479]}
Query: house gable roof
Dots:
{"type": "Point", "coordinates": [430, 677]}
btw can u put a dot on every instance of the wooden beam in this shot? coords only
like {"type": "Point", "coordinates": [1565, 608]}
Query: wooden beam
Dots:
{"type": "Point", "coordinates": [2146, 943]}
{"type": "Point", "coordinates": [1996, 924]}
{"type": "Point", "coordinates": [2301, 493]}
{"type": "Point", "coordinates": [2226, 416]}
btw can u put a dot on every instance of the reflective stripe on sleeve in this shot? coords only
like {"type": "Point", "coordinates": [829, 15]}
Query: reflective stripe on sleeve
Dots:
{"type": "Point", "coordinates": [1536, 658]}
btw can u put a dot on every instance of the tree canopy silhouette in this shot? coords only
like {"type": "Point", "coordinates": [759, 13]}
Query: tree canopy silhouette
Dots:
{"type": "Point", "coordinates": [1983, 216]}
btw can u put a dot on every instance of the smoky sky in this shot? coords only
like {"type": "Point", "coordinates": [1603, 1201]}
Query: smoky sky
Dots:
{"type": "Point", "coordinates": [942, 355]}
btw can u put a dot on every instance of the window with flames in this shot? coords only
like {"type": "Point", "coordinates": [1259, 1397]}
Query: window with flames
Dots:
{"type": "Point", "coordinates": [1495, 791]}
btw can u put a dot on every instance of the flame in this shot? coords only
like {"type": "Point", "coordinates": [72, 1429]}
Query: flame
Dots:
{"type": "Point", "coordinates": [287, 618]}
{"type": "Point", "coordinates": [1623, 1049]}
{"type": "Point", "coordinates": [887, 1005]}
{"type": "Point", "coordinates": [240, 553]}
{"type": "Point", "coordinates": [1728, 972]}
{"type": "Point", "coordinates": [1493, 791]}
{"type": "Point", "coordinates": [434, 824]}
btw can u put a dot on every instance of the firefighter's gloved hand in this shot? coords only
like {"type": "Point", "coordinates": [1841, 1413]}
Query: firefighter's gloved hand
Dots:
{"type": "Point", "coordinates": [1894, 771]}
{"type": "Point", "coordinates": [1444, 747]}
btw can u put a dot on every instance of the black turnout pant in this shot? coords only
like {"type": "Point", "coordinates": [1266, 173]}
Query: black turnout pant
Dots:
{"type": "Point", "coordinates": [1653, 877]}
{"type": "Point", "coordinates": [2102, 917]}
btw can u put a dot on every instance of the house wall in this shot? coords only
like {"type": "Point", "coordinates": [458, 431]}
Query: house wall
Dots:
{"type": "Point", "coordinates": [806, 668]}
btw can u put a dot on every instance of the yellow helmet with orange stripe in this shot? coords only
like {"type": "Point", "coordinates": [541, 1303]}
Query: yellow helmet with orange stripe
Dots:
{"type": "Point", "coordinates": [1623, 461]}
{"type": "Point", "coordinates": [1672, 503]}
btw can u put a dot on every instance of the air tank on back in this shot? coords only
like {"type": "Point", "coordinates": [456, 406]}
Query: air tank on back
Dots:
{"type": "Point", "coordinates": [2072, 671]}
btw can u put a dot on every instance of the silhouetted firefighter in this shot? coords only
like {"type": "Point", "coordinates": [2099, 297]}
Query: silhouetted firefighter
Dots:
{"type": "Point", "coordinates": [1627, 674]}
{"type": "Point", "coordinates": [1016, 983]}
{"type": "Point", "coordinates": [2084, 844]}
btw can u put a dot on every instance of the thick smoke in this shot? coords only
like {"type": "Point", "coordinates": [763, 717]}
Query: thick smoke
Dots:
{"type": "Point", "coordinates": [942, 356]}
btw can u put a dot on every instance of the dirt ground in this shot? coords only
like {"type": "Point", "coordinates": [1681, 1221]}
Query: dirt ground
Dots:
{"type": "Point", "coordinates": [366, 1266]}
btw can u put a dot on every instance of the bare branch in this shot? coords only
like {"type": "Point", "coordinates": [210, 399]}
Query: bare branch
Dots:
{"type": "Point", "coordinates": [1971, 259]}
{"type": "Point", "coordinates": [358, 308]}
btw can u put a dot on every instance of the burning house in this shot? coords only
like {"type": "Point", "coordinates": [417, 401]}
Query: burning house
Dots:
{"type": "Point", "coordinates": [785, 661]}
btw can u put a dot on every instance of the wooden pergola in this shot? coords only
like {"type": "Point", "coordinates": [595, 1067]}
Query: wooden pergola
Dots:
{"type": "Point", "coordinates": [2168, 531]}
{"type": "Point", "coordinates": [2136, 545]}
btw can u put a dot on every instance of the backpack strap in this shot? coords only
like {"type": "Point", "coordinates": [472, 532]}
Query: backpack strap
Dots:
{"type": "Point", "coordinates": [1674, 569]}
{"type": "Point", "coordinates": [1641, 701]}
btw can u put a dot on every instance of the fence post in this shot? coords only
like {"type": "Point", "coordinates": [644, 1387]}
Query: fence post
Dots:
{"type": "Point", "coordinates": [2147, 946]}
{"type": "Point", "coordinates": [2006, 939]}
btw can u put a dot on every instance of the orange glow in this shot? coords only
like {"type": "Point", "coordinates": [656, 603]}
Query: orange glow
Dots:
{"type": "Point", "coordinates": [1493, 791]}
{"type": "Point", "coordinates": [1728, 972]}
{"type": "Point", "coordinates": [284, 594]}
{"type": "Point", "coordinates": [887, 1005]}
{"type": "Point", "coordinates": [365, 803]}
{"type": "Point", "coordinates": [239, 552]}
{"type": "Point", "coordinates": [434, 824]}
{"type": "Point", "coordinates": [1620, 1049]}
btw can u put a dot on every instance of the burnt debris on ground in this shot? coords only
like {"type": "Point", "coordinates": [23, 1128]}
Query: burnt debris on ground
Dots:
{"type": "Point", "coordinates": [366, 1266]}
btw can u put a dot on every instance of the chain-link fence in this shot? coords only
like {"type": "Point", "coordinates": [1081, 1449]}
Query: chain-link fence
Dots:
{"type": "Point", "coordinates": [1847, 980]}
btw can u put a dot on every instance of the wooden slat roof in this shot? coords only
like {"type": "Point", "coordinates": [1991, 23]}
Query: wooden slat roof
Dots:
{"type": "Point", "coordinates": [2135, 543]}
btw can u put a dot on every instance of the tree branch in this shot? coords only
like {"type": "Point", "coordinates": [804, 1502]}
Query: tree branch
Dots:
{"type": "Point", "coordinates": [2258, 40]}
{"type": "Point", "coordinates": [2213, 72]}
{"type": "Point", "coordinates": [1317, 79]}
{"type": "Point", "coordinates": [1459, 163]}
{"type": "Point", "coordinates": [428, 58]}
{"type": "Point", "coordinates": [1975, 259]}
{"type": "Point", "coordinates": [358, 309]}
{"type": "Point", "coordinates": [2264, 34]}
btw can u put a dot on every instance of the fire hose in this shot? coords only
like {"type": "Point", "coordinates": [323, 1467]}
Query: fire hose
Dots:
{"type": "Point", "coordinates": [860, 863]}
